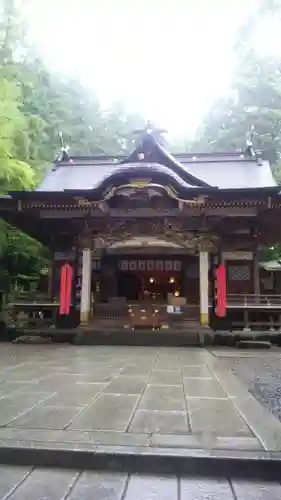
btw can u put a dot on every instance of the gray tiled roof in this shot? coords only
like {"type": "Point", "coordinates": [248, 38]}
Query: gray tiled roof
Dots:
{"type": "Point", "coordinates": [90, 176]}
{"type": "Point", "coordinates": [229, 172]}
{"type": "Point", "coordinates": [233, 174]}
{"type": "Point", "coordinates": [72, 176]}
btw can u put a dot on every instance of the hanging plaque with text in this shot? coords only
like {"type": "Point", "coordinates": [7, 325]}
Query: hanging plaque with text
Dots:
{"type": "Point", "coordinates": [165, 265]}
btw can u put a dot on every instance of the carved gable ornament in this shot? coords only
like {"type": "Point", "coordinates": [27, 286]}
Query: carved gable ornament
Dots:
{"type": "Point", "coordinates": [143, 188]}
{"type": "Point", "coordinates": [122, 233]}
{"type": "Point", "coordinates": [140, 183]}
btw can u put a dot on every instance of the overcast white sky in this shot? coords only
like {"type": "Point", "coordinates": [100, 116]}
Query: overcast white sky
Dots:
{"type": "Point", "coordinates": [167, 59]}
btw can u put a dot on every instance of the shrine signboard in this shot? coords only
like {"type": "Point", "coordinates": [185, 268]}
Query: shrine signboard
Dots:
{"type": "Point", "coordinates": [150, 265]}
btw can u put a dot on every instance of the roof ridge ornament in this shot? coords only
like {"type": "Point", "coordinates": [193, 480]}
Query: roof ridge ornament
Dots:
{"type": "Point", "coordinates": [150, 129]}
{"type": "Point", "coordinates": [63, 154]}
{"type": "Point", "coordinates": [249, 151]}
{"type": "Point", "coordinates": [146, 137]}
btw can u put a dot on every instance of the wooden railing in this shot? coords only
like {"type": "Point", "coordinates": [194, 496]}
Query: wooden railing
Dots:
{"type": "Point", "coordinates": [110, 311]}
{"type": "Point", "coordinates": [240, 301]}
{"type": "Point", "coordinates": [144, 312]}
{"type": "Point", "coordinates": [34, 314]}
{"type": "Point", "coordinates": [252, 312]}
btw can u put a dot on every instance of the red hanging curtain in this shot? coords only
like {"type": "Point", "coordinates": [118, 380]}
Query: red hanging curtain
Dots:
{"type": "Point", "coordinates": [66, 275]}
{"type": "Point", "coordinates": [221, 291]}
{"type": "Point", "coordinates": [69, 281]}
{"type": "Point", "coordinates": [62, 289]}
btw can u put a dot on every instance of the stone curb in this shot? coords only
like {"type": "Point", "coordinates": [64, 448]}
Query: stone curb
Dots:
{"type": "Point", "coordinates": [215, 463]}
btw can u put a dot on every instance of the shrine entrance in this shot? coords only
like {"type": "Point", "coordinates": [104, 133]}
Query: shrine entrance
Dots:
{"type": "Point", "coordinates": [150, 280]}
{"type": "Point", "coordinates": [152, 287]}
{"type": "Point", "coordinates": [147, 289]}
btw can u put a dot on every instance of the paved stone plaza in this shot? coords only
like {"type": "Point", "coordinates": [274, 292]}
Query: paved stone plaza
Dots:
{"type": "Point", "coordinates": [129, 396]}
{"type": "Point", "coordinates": [18, 483]}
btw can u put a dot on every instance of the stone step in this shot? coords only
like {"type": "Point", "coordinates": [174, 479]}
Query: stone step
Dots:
{"type": "Point", "coordinates": [139, 338]}
{"type": "Point", "coordinates": [260, 465]}
{"type": "Point", "coordinates": [253, 344]}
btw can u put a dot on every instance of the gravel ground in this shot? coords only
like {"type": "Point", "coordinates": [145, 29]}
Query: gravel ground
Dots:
{"type": "Point", "coordinates": [263, 378]}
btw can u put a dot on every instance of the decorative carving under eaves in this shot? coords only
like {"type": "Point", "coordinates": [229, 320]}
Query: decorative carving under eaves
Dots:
{"type": "Point", "coordinates": [164, 230]}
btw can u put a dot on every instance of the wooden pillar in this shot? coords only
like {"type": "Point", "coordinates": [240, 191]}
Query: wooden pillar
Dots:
{"type": "Point", "coordinates": [50, 279]}
{"type": "Point", "coordinates": [256, 273]}
{"type": "Point", "coordinates": [53, 293]}
{"type": "Point", "coordinates": [85, 304]}
{"type": "Point", "coordinates": [204, 287]}
{"type": "Point", "coordinates": [247, 327]}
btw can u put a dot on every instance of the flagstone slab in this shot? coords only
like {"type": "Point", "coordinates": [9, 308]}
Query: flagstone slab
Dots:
{"type": "Point", "coordinates": [256, 490]}
{"type": "Point", "coordinates": [163, 397]}
{"type": "Point", "coordinates": [203, 388]}
{"type": "Point", "coordinates": [10, 478]}
{"type": "Point", "coordinates": [47, 417]}
{"type": "Point", "coordinates": [216, 416]}
{"type": "Point", "coordinates": [125, 384]}
{"type": "Point", "coordinates": [205, 489]}
{"type": "Point", "coordinates": [45, 484]}
{"type": "Point", "coordinates": [152, 488]}
{"type": "Point", "coordinates": [160, 421]}
{"type": "Point", "coordinates": [196, 372]}
{"type": "Point", "coordinates": [12, 406]}
{"type": "Point", "coordinates": [99, 486]}
{"type": "Point", "coordinates": [136, 370]}
{"type": "Point", "coordinates": [205, 440]}
{"type": "Point", "coordinates": [159, 398]}
{"type": "Point", "coordinates": [81, 397]}
{"type": "Point", "coordinates": [21, 483]}
{"type": "Point", "coordinates": [166, 377]}
{"type": "Point", "coordinates": [168, 364]}
{"type": "Point", "coordinates": [108, 412]}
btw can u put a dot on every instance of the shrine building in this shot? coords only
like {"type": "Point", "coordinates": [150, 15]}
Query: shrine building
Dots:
{"type": "Point", "coordinates": [154, 240]}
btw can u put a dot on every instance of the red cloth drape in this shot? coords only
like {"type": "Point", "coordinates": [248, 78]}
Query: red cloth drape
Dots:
{"type": "Point", "coordinates": [66, 275]}
{"type": "Point", "coordinates": [221, 291]}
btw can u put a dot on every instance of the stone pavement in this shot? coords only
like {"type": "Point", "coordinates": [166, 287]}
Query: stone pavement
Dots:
{"type": "Point", "coordinates": [101, 397]}
{"type": "Point", "coordinates": [18, 483]}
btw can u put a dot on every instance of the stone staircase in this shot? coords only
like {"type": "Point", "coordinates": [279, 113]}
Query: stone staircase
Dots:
{"type": "Point", "coordinates": [187, 333]}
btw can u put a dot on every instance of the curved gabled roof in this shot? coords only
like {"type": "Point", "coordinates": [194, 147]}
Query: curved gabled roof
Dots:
{"type": "Point", "coordinates": [150, 158]}
{"type": "Point", "coordinates": [152, 172]}
{"type": "Point", "coordinates": [151, 151]}
{"type": "Point", "coordinates": [99, 180]}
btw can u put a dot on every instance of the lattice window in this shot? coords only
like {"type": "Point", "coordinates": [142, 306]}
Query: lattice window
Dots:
{"type": "Point", "coordinates": [239, 273]}
{"type": "Point", "coordinates": [192, 271]}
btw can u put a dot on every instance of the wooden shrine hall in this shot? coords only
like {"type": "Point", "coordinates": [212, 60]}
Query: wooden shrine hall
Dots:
{"type": "Point", "coordinates": [152, 240]}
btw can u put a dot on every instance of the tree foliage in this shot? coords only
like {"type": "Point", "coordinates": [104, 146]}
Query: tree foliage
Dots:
{"type": "Point", "coordinates": [254, 101]}
{"type": "Point", "coordinates": [53, 105]}
{"type": "Point", "coordinates": [35, 106]}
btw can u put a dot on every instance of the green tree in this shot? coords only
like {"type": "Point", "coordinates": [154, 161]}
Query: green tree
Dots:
{"type": "Point", "coordinates": [35, 105]}
{"type": "Point", "coordinates": [14, 172]}
{"type": "Point", "coordinates": [254, 99]}
{"type": "Point", "coordinates": [53, 105]}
